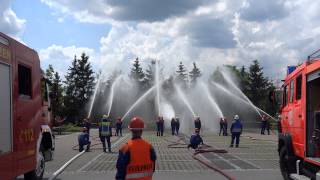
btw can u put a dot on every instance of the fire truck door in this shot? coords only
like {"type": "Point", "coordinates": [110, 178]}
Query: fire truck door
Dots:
{"type": "Point", "coordinates": [5, 109]}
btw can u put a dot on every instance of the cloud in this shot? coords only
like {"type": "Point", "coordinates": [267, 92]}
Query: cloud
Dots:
{"type": "Point", "coordinates": [262, 10]}
{"type": "Point", "coordinates": [99, 11]}
{"type": "Point", "coordinates": [61, 57]}
{"type": "Point", "coordinates": [9, 23]}
{"type": "Point", "coordinates": [209, 32]}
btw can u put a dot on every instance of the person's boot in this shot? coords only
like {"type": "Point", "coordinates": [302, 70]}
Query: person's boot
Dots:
{"type": "Point", "coordinates": [231, 145]}
{"type": "Point", "coordinates": [104, 150]}
{"type": "Point", "coordinates": [237, 145]}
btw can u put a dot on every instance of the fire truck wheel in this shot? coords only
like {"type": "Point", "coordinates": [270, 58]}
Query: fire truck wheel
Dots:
{"type": "Point", "coordinates": [37, 174]}
{"type": "Point", "coordinates": [286, 166]}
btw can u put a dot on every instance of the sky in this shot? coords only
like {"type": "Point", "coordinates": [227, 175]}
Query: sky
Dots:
{"type": "Point", "coordinates": [209, 32]}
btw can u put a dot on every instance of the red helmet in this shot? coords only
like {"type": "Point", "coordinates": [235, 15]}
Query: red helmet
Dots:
{"type": "Point", "coordinates": [136, 123]}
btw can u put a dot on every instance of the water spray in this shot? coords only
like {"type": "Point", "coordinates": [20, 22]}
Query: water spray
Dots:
{"type": "Point", "coordinates": [229, 80]}
{"type": "Point", "coordinates": [94, 96]}
{"type": "Point", "coordinates": [110, 102]}
{"type": "Point", "coordinates": [158, 86]}
{"type": "Point", "coordinates": [184, 99]}
{"type": "Point", "coordinates": [228, 92]}
{"type": "Point", "coordinates": [212, 101]}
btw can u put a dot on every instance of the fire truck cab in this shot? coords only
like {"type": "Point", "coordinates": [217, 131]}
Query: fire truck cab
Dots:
{"type": "Point", "coordinates": [299, 125]}
{"type": "Point", "coordinates": [25, 134]}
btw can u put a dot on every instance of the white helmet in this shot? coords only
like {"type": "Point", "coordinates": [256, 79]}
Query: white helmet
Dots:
{"type": "Point", "coordinates": [236, 117]}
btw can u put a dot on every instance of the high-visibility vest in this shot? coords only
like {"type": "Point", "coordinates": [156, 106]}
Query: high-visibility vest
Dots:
{"type": "Point", "coordinates": [105, 128]}
{"type": "Point", "coordinates": [140, 166]}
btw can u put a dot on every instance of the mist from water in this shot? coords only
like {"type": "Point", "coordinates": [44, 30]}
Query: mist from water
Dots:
{"type": "Point", "coordinates": [111, 96]}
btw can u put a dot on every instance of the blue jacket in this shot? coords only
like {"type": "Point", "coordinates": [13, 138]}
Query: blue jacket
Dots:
{"type": "Point", "coordinates": [236, 127]}
{"type": "Point", "coordinates": [83, 138]}
{"type": "Point", "coordinates": [195, 141]}
{"type": "Point", "coordinates": [124, 160]}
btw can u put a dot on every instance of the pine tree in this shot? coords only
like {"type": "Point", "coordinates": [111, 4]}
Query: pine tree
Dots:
{"type": "Point", "coordinates": [150, 74]}
{"type": "Point", "coordinates": [137, 73]}
{"type": "Point", "coordinates": [80, 83]}
{"type": "Point", "coordinates": [181, 77]}
{"type": "Point", "coordinates": [56, 96]}
{"type": "Point", "coordinates": [217, 76]}
{"type": "Point", "coordinates": [258, 84]}
{"type": "Point", "coordinates": [50, 74]}
{"type": "Point", "coordinates": [194, 74]}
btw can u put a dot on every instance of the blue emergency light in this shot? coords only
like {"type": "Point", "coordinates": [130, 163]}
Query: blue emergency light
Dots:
{"type": "Point", "coordinates": [290, 69]}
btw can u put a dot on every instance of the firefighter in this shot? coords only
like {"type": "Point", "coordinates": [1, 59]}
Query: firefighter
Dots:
{"type": "Point", "coordinates": [119, 126]}
{"type": "Point", "coordinates": [173, 126]}
{"type": "Point", "coordinates": [137, 157]}
{"type": "Point", "coordinates": [161, 125]}
{"type": "Point", "coordinates": [84, 140]}
{"type": "Point", "coordinates": [236, 130]}
{"type": "Point", "coordinates": [221, 123]}
{"type": "Point", "coordinates": [225, 127]}
{"type": "Point", "coordinates": [197, 123]}
{"type": "Point", "coordinates": [87, 124]}
{"type": "Point", "coordinates": [105, 132]}
{"type": "Point", "coordinates": [195, 139]}
{"type": "Point", "coordinates": [177, 125]}
{"type": "Point", "coordinates": [158, 126]}
{"type": "Point", "coordinates": [263, 124]}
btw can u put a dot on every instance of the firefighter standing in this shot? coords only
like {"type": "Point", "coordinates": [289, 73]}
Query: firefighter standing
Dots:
{"type": "Point", "coordinates": [221, 123]}
{"type": "Point", "coordinates": [197, 123]}
{"type": "Point", "coordinates": [161, 126]}
{"type": "Point", "coordinates": [119, 127]}
{"type": "Point", "coordinates": [137, 157]}
{"type": "Point", "coordinates": [195, 139]}
{"type": "Point", "coordinates": [225, 127]}
{"type": "Point", "coordinates": [173, 126]}
{"type": "Point", "coordinates": [263, 124]}
{"type": "Point", "coordinates": [177, 125]}
{"type": "Point", "coordinates": [236, 130]}
{"type": "Point", "coordinates": [105, 132]}
{"type": "Point", "coordinates": [84, 140]}
{"type": "Point", "coordinates": [158, 126]}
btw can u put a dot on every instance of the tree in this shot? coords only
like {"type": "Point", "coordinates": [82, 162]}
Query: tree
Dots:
{"type": "Point", "coordinates": [50, 74]}
{"type": "Point", "coordinates": [217, 76]}
{"type": "Point", "coordinates": [181, 77]}
{"type": "Point", "coordinates": [258, 85]}
{"type": "Point", "coordinates": [80, 83]}
{"type": "Point", "coordinates": [137, 73]}
{"type": "Point", "coordinates": [150, 74]}
{"type": "Point", "coordinates": [56, 96]}
{"type": "Point", "coordinates": [194, 74]}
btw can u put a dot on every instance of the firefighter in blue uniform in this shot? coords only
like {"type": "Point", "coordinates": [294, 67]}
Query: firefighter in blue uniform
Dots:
{"type": "Point", "coordinates": [236, 130]}
{"type": "Point", "coordinates": [105, 132]}
{"type": "Point", "coordinates": [195, 139]}
{"type": "Point", "coordinates": [83, 140]}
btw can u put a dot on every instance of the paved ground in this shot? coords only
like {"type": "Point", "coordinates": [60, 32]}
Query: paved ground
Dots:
{"type": "Point", "coordinates": [256, 158]}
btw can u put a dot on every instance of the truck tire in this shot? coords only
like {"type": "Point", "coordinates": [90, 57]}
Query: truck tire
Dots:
{"type": "Point", "coordinates": [37, 174]}
{"type": "Point", "coordinates": [287, 166]}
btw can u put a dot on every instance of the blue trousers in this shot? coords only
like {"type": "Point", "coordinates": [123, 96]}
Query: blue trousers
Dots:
{"type": "Point", "coordinates": [235, 136]}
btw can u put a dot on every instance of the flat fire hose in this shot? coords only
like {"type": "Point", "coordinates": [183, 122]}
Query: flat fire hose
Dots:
{"type": "Point", "coordinates": [208, 149]}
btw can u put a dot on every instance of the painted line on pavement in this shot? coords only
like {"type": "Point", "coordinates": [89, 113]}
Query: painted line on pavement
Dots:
{"type": "Point", "coordinates": [99, 155]}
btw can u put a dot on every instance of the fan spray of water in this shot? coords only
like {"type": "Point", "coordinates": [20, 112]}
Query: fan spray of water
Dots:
{"type": "Point", "coordinates": [212, 101]}
{"type": "Point", "coordinates": [146, 94]}
{"type": "Point", "coordinates": [110, 102]}
{"type": "Point", "coordinates": [243, 100]}
{"type": "Point", "coordinates": [184, 99]}
{"type": "Point", "coordinates": [229, 80]}
{"type": "Point", "coordinates": [94, 96]}
{"type": "Point", "coordinates": [158, 87]}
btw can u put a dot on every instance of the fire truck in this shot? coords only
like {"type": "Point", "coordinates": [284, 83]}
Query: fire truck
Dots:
{"type": "Point", "coordinates": [299, 125]}
{"type": "Point", "coordinates": [26, 140]}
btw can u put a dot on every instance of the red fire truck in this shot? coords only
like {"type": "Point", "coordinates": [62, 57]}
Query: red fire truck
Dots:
{"type": "Point", "coordinates": [299, 127]}
{"type": "Point", "coordinates": [26, 141]}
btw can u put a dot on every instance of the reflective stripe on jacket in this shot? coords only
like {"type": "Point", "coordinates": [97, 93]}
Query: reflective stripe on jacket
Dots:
{"type": "Point", "coordinates": [105, 128]}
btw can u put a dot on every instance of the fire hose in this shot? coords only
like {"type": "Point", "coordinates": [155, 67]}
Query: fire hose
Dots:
{"type": "Point", "coordinates": [76, 147]}
{"type": "Point", "coordinates": [204, 149]}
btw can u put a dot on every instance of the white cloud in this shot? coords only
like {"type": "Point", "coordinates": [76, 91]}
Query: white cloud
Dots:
{"type": "Point", "coordinates": [278, 33]}
{"type": "Point", "coordinates": [9, 22]}
{"type": "Point", "coordinates": [61, 57]}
